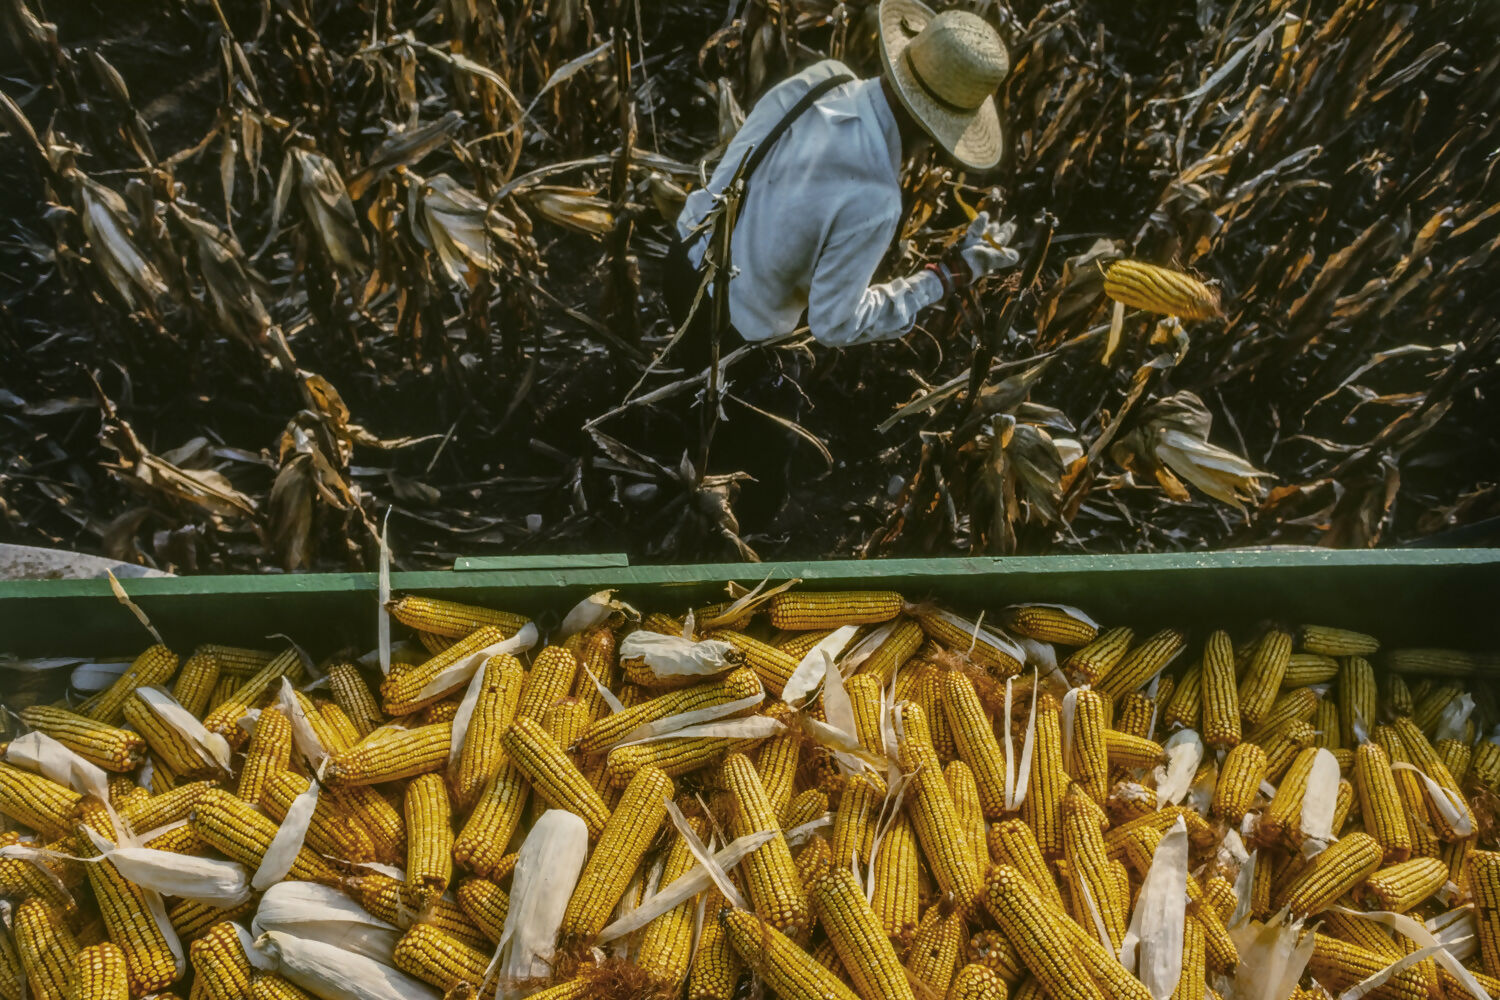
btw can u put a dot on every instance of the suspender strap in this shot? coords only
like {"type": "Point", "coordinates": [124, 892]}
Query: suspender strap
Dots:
{"type": "Point", "coordinates": [804, 102]}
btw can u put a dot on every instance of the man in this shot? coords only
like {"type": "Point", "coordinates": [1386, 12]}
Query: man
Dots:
{"type": "Point", "coordinates": [823, 154]}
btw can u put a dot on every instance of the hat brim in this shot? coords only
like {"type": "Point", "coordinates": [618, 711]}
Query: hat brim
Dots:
{"type": "Point", "coordinates": [974, 139]}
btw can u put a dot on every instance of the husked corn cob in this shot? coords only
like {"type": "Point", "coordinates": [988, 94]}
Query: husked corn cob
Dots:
{"type": "Point", "coordinates": [232, 827]}
{"type": "Point", "coordinates": [154, 666]}
{"type": "Point", "coordinates": [1141, 664]}
{"type": "Point", "coordinates": [1303, 669]}
{"type": "Point", "coordinates": [1356, 699]}
{"type": "Point", "coordinates": [1284, 746]}
{"type": "Point", "coordinates": [353, 695]}
{"type": "Point", "coordinates": [1185, 707]}
{"type": "Point", "coordinates": [393, 901]}
{"type": "Point", "coordinates": [857, 935]}
{"type": "Point", "coordinates": [770, 876]}
{"type": "Point", "coordinates": [1345, 864]}
{"type": "Point", "coordinates": [1098, 658]}
{"type": "Point", "coordinates": [169, 748]}
{"type": "Point", "coordinates": [224, 719]}
{"type": "Point", "coordinates": [1131, 752]}
{"type": "Point", "coordinates": [969, 638]}
{"type": "Point", "coordinates": [934, 817]}
{"type": "Point", "coordinates": [1294, 706]}
{"type": "Point", "coordinates": [1380, 802]}
{"type": "Point", "coordinates": [607, 874]}
{"type": "Point", "coordinates": [12, 976]}
{"type": "Point", "coordinates": [799, 610]}
{"type": "Point", "coordinates": [1338, 965]}
{"type": "Point", "coordinates": [1036, 932]}
{"type": "Point", "coordinates": [667, 942]}
{"type": "Point", "coordinates": [977, 982]}
{"type": "Point", "coordinates": [809, 804]}
{"type": "Point", "coordinates": [553, 776]}
{"type": "Point", "coordinates": [237, 662]}
{"type": "Point", "coordinates": [333, 727]}
{"type": "Point", "coordinates": [1042, 808]}
{"type": "Point", "coordinates": [45, 948]}
{"type": "Point", "coordinates": [485, 904]}
{"type": "Point", "coordinates": [974, 738]}
{"type": "Point", "coordinates": [776, 762]}
{"type": "Point", "coordinates": [390, 754]}
{"type": "Point", "coordinates": [101, 973]}
{"type": "Point", "coordinates": [191, 918]}
{"type": "Point", "coordinates": [451, 619]}
{"type": "Point", "coordinates": [1421, 753]}
{"type": "Point", "coordinates": [1140, 285]}
{"type": "Point", "coordinates": [1135, 715]}
{"type": "Point", "coordinates": [675, 756]}
{"type": "Point", "coordinates": [1456, 756]}
{"type": "Point", "coordinates": [1090, 874]}
{"type": "Point", "coordinates": [1088, 762]}
{"type": "Point", "coordinates": [480, 845]}
{"type": "Point", "coordinates": [38, 803]}
{"type": "Point", "coordinates": [1014, 843]}
{"type": "Point", "coordinates": [482, 755]}
{"type": "Point", "coordinates": [733, 686]}
{"type": "Point", "coordinates": [994, 951]}
{"type": "Point", "coordinates": [1049, 623]}
{"type": "Point", "coordinates": [897, 880]}
{"type": "Point", "coordinates": [1336, 641]}
{"type": "Point", "coordinates": [126, 915]}
{"type": "Point", "coordinates": [1191, 982]}
{"type": "Point", "coordinates": [935, 948]}
{"type": "Point", "coordinates": [1128, 800]}
{"type": "Point", "coordinates": [434, 957]}
{"type": "Point", "coordinates": [1405, 884]}
{"type": "Point", "coordinates": [270, 752]}
{"type": "Point", "coordinates": [716, 966]}
{"type": "Point", "coordinates": [970, 814]}
{"type": "Point", "coordinates": [1263, 676]}
{"type": "Point", "coordinates": [220, 964]}
{"type": "Point", "coordinates": [1285, 808]}
{"type": "Point", "coordinates": [269, 986]}
{"type": "Point", "coordinates": [401, 693]}
{"type": "Point", "coordinates": [1240, 776]}
{"type": "Point", "coordinates": [196, 681]}
{"type": "Point", "coordinates": [105, 746]}
{"type": "Point", "coordinates": [429, 838]}
{"type": "Point", "coordinates": [791, 972]}
{"type": "Point", "coordinates": [771, 665]}
{"type": "Point", "coordinates": [1325, 721]}
{"type": "Point", "coordinates": [23, 879]}
{"type": "Point", "coordinates": [905, 638]}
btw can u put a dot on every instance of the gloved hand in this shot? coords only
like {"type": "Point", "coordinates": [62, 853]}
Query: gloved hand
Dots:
{"type": "Point", "coordinates": [975, 256]}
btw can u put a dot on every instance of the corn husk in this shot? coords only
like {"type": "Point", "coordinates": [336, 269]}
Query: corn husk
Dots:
{"type": "Point", "coordinates": [547, 869]}
{"type": "Point", "coordinates": [1319, 803]}
{"type": "Point", "coordinates": [456, 675]}
{"type": "Point", "coordinates": [282, 853]}
{"type": "Point", "coordinates": [211, 747]}
{"type": "Point", "coordinates": [1450, 804]}
{"type": "Point", "coordinates": [303, 737]}
{"type": "Point", "coordinates": [325, 914]}
{"type": "Point", "coordinates": [676, 656]}
{"type": "Point", "coordinates": [471, 669]}
{"type": "Point", "coordinates": [185, 876]}
{"type": "Point", "coordinates": [1018, 777]}
{"type": "Point", "coordinates": [331, 973]}
{"type": "Point", "coordinates": [673, 725]}
{"type": "Point", "coordinates": [1272, 956]}
{"type": "Point", "coordinates": [590, 612]}
{"type": "Point", "coordinates": [815, 665]}
{"type": "Point", "coordinates": [1174, 779]}
{"type": "Point", "coordinates": [1152, 947]}
{"type": "Point", "coordinates": [1428, 947]}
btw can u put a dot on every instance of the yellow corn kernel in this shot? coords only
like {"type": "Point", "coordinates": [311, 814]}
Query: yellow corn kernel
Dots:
{"type": "Point", "coordinates": [45, 949]}
{"type": "Point", "coordinates": [1303, 669]}
{"type": "Point", "coordinates": [102, 973]}
{"type": "Point", "coordinates": [974, 738]}
{"type": "Point", "coordinates": [994, 951]}
{"type": "Point", "coordinates": [35, 802]}
{"type": "Point", "coordinates": [333, 830]}
{"type": "Point", "coordinates": [1338, 965]}
{"type": "Point", "coordinates": [390, 754]}
{"type": "Point", "coordinates": [553, 775]}
{"type": "Point", "coordinates": [977, 982]}
{"type": "Point", "coordinates": [1285, 810]}
{"type": "Point", "coordinates": [1092, 881]}
{"type": "Point", "coordinates": [1357, 699]}
{"type": "Point", "coordinates": [935, 948]}
{"type": "Point", "coordinates": [799, 610]}
{"type": "Point", "coordinates": [1191, 982]}
{"type": "Point", "coordinates": [1131, 752]}
{"type": "Point", "coordinates": [1294, 706]}
{"type": "Point", "coordinates": [1014, 843]}
{"type": "Point", "coordinates": [1135, 715]}
{"type": "Point", "coordinates": [1402, 886]}
{"type": "Point", "coordinates": [270, 752]}
{"type": "Point", "coordinates": [1345, 864]}
{"type": "Point", "coordinates": [857, 935]}
{"type": "Point", "coordinates": [791, 972]}
{"type": "Point", "coordinates": [196, 681]}
{"type": "Point", "coordinates": [1050, 623]}
{"type": "Point", "coordinates": [855, 820]}
{"type": "Point", "coordinates": [1283, 747]}
{"type": "Point", "coordinates": [393, 901]}
{"type": "Point", "coordinates": [235, 829]}
{"type": "Point", "coordinates": [1037, 933]}
{"type": "Point", "coordinates": [105, 746]}
{"type": "Point", "coordinates": [1240, 777]}
{"type": "Point", "coordinates": [770, 875]}
{"type": "Point", "coordinates": [435, 957]}
{"type": "Point", "coordinates": [220, 963]}
{"type": "Point", "coordinates": [1380, 802]}
{"type": "Point", "coordinates": [675, 756]}
{"type": "Point", "coordinates": [667, 942]}
{"type": "Point", "coordinates": [971, 639]}
{"type": "Point", "coordinates": [1140, 285]}
{"type": "Point", "coordinates": [897, 880]}
{"type": "Point", "coordinates": [1336, 641]}
{"type": "Point", "coordinates": [224, 718]}
{"type": "Point", "coordinates": [905, 638]}
{"type": "Point", "coordinates": [429, 838]}
{"type": "Point", "coordinates": [1042, 808]}
{"type": "Point", "coordinates": [353, 695]}
{"type": "Point", "coordinates": [482, 755]}
{"type": "Point", "coordinates": [771, 665]}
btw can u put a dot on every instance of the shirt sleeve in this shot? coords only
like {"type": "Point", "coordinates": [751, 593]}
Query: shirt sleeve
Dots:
{"type": "Point", "coordinates": [843, 308]}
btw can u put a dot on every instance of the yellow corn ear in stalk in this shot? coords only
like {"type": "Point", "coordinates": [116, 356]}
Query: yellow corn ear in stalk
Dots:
{"type": "Point", "coordinates": [716, 967]}
{"type": "Point", "coordinates": [1141, 664]}
{"type": "Point", "coordinates": [1140, 285]}
{"type": "Point", "coordinates": [154, 666]}
{"type": "Point", "coordinates": [974, 738]}
{"type": "Point", "coordinates": [236, 830]}
{"type": "Point", "coordinates": [435, 957]}
{"type": "Point", "coordinates": [390, 754]}
{"type": "Point", "coordinates": [196, 681]}
{"type": "Point", "coordinates": [934, 817]}
{"type": "Point", "coordinates": [1348, 862]}
{"type": "Point", "coordinates": [480, 845]}
{"type": "Point", "coordinates": [353, 695]}
{"type": "Point", "coordinates": [935, 948]}
{"type": "Point", "coordinates": [894, 652]}
{"type": "Point", "coordinates": [1336, 641]}
{"type": "Point", "coordinates": [1038, 934]}
{"type": "Point", "coordinates": [482, 755]}
{"type": "Point", "coordinates": [220, 964]}
{"type": "Point", "coordinates": [770, 875]}
{"type": "Point", "coordinates": [270, 752]}
{"type": "Point", "coordinates": [38, 803]}
{"type": "Point", "coordinates": [104, 746]}
{"type": "Point", "coordinates": [1262, 679]}
{"type": "Point", "coordinates": [553, 775]}
{"type": "Point", "coordinates": [666, 946]}
{"type": "Point", "coordinates": [102, 973]}
{"type": "Point", "coordinates": [45, 948]}
{"type": "Point", "coordinates": [771, 665]}
{"type": "Point", "coordinates": [1093, 661]}
{"type": "Point", "coordinates": [1356, 699]}
{"type": "Point", "coordinates": [897, 880]}
{"type": "Point", "coordinates": [791, 973]}
{"type": "Point", "coordinates": [451, 619]}
{"type": "Point", "coordinates": [857, 935]}
{"type": "Point", "coordinates": [1240, 777]}
{"type": "Point", "coordinates": [617, 855]}
{"type": "Point", "coordinates": [224, 719]}
{"type": "Point", "coordinates": [798, 610]}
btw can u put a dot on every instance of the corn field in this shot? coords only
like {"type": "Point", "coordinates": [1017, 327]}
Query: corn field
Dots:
{"type": "Point", "coordinates": [272, 273]}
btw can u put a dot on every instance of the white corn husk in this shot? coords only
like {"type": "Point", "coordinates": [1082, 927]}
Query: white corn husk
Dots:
{"type": "Point", "coordinates": [1152, 946]}
{"type": "Point", "coordinates": [669, 656]}
{"type": "Point", "coordinates": [1428, 947]}
{"type": "Point", "coordinates": [519, 643]}
{"type": "Point", "coordinates": [457, 674]}
{"type": "Point", "coordinates": [282, 853]}
{"type": "Point", "coordinates": [593, 610]}
{"type": "Point", "coordinates": [671, 725]}
{"type": "Point", "coordinates": [864, 648]}
{"type": "Point", "coordinates": [1272, 957]}
{"type": "Point", "coordinates": [185, 876]}
{"type": "Point", "coordinates": [1454, 810]}
{"type": "Point", "coordinates": [383, 599]}
{"type": "Point", "coordinates": [1319, 802]}
{"type": "Point", "coordinates": [816, 664]}
{"type": "Point", "coordinates": [304, 738]}
{"type": "Point", "coordinates": [331, 973]}
{"type": "Point", "coordinates": [1184, 752]}
{"type": "Point", "coordinates": [978, 633]}
{"type": "Point", "coordinates": [749, 727]}
{"type": "Point", "coordinates": [1458, 931]}
{"type": "Point", "coordinates": [1018, 778]}
{"type": "Point", "coordinates": [211, 747]}
{"type": "Point", "coordinates": [325, 914]}
{"type": "Point", "coordinates": [1454, 718]}
{"type": "Point", "coordinates": [547, 869]}
{"type": "Point", "coordinates": [38, 752]}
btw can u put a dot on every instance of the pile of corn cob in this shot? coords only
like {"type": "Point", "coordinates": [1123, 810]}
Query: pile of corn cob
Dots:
{"type": "Point", "coordinates": [835, 795]}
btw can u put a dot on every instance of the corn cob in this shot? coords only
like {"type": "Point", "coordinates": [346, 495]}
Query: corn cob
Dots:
{"type": "Point", "coordinates": [1185, 708]}
{"type": "Point", "coordinates": [777, 761]}
{"type": "Point", "coordinates": [554, 777]}
{"type": "Point", "coordinates": [1128, 800]}
{"type": "Point", "coordinates": [801, 610]}
{"type": "Point", "coordinates": [1421, 753]}
{"type": "Point", "coordinates": [1357, 699]}
{"type": "Point", "coordinates": [891, 655]}
{"type": "Point", "coordinates": [219, 963]}
{"type": "Point", "coordinates": [667, 942]}
{"type": "Point", "coordinates": [896, 880]}
{"type": "Point", "coordinates": [196, 681]}
{"type": "Point", "coordinates": [1043, 804]}
{"type": "Point", "coordinates": [393, 901]}
{"type": "Point", "coordinates": [1141, 664]}
{"type": "Point", "coordinates": [232, 827]}
{"type": "Point", "coordinates": [627, 835]}
{"type": "Point", "coordinates": [1135, 715]}
{"type": "Point", "coordinates": [1049, 623]}
{"type": "Point", "coordinates": [401, 693]}
{"type": "Point", "coordinates": [1240, 776]}
{"type": "Point", "coordinates": [235, 661]}
{"type": "Point", "coordinates": [1092, 662]}
{"type": "Point", "coordinates": [974, 738]}
{"type": "Point", "coordinates": [809, 804]}
{"type": "Point", "coordinates": [771, 665]}
{"type": "Point", "coordinates": [154, 666]}
{"type": "Point", "coordinates": [857, 935]}
{"type": "Point", "coordinates": [715, 968]}
{"type": "Point", "coordinates": [1036, 932]}
{"type": "Point", "coordinates": [1338, 965]}
{"type": "Point", "coordinates": [481, 843]}
{"type": "Point", "coordinates": [25, 879]}
{"type": "Point", "coordinates": [1406, 884]}
{"type": "Point", "coordinates": [1412, 792]}
{"type": "Point", "coordinates": [1088, 763]}
{"type": "Point", "coordinates": [390, 754]}
{"type": "Point", "coordinates": [1283, 747]}
{"type": "Point", "coordinates": [434, 957]}
{"type": "Point", "coordinates": [270, 752]}
{"type": "Point", "coordinates": [482, 756]}
{"type": "Point", "coordinates": [485, 904]}
{"type": "Point", "coordinates": [45, 949]}
{"type": "Point", "coordinates": [1380, 802]}
{"type": "Point", "coordinates": [191, 918]}
{"type": "Point", "coordinates": [450, 619]}
{"type": "Point", "coordinates": [269, 986]}
{"type": "Point", "coordinates": [934, 817]}
{"type": "Point", "coordinates": [968, 638]}
{"type": "Point", "coordinates": [674, 756]}
{"type": "Point", "coordinates": [787, 969]}
{"type": "Point", "coordinates": [737, 684]}
{"type": "Point", "coordinates": [770, 876]}
{"type": "Point", "coordinates": [1294, 706]}
{"type": "Point", "coordinates": [1191, 981]}
{"type": "Point", "coordinates": [1013, 843]}
{"type": "Point", "coordinates": [1131, 752]}
{"type": "Point", "coordinates": [994, 951]}
{"type": "Point", "coordinates": [1092, 881]}
{"type": "Point", "coordinates": [1303, 669]}
{"type": "Point", "coordinates": [224, 689]}
{"type": "Point", "coordinates": [105, 746]}
{"type": "Point", "coordinates": [429, 838]}
{"type": "Point", "coordinates": [965, 794]}
{"type": "Point", "coordinates": [102, 973]}
{"type": "Point", "coordinates": [169, 748]}
{"type": "Point", "coordinates": [12, 976]}
{"type": "Point", "coordinates": [935, 948]}
{"type": "Point", "coordinates": [1325, 722]}
{"type": "Point", "coordinates": [224, 719]}
{"type": "Point", "coordinates": [1285, 809]}
{"type": "Point", "coordinates": [1344, 865]}
{"type": "Point", "coordinates": [1336, 641]}
{"type": "Point", "coordinates": [35, 802]}
{"type": "Point", "coordinates": [1140, 285]}
{"type": "Point", "coordinates": [1262, 679]}
{"type": "Point", "coordinates": [353, 695]}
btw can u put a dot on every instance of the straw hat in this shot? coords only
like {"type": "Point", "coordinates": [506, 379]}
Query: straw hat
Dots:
{"type": "Point", "coordinates": [946, 68]}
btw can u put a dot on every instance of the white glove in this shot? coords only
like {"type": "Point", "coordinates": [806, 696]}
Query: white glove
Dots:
{"type": "Point", "coordinates": [977, 253]}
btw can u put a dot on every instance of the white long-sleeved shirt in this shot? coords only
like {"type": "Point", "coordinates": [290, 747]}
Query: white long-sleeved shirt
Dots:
{"type": "Point", "coordinates": [822, 210]}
